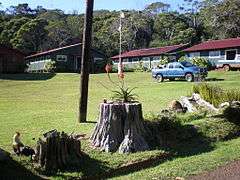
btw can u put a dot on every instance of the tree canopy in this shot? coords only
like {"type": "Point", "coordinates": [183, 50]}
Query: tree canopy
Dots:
{"type": "Point", "coordinates": [39, 29]}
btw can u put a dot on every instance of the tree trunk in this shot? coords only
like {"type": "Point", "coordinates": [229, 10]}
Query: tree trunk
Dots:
{"type": "Point", "coordinates": [120, 128]}
{"type": "Point", "coordinates": [58, 151]}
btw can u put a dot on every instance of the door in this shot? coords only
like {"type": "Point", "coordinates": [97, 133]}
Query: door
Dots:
{"type": "Point", "coordinates": [179, 70]}
{"type": "Point", "coordinates": [77, 63]}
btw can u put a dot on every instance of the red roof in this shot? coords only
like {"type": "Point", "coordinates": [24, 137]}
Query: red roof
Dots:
{"type": "Point", "coordinates": [215, 44]}
{"type": "Point", "coordinates": [150, 51]}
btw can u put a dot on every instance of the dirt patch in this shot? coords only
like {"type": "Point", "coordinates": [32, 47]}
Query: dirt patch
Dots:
{"type": "Point", "coordinates": [230, 171]}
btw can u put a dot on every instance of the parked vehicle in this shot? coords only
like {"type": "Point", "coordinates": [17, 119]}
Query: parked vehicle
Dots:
{"type": "Point", "coordinates": [182, 70]}
{"type": "Point", "coordinates": [228, 64]}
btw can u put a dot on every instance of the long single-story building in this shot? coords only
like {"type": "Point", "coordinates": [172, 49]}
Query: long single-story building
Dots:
{"type": "Point", "coordinates": [11, 60]}
{"type": "Point", "coordinates": [221, 53]}
{"type": "Point", "coordinates": [151, 56]}
{"type": "Point", "coordinates": [67, 58]}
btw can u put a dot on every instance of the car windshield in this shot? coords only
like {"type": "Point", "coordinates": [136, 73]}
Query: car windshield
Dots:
{"type": "Point", "coordinates": [187, 64]}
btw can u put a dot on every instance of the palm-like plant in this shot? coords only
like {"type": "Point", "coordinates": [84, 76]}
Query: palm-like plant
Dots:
{"type": "Point", "coordinates": [124, 93]}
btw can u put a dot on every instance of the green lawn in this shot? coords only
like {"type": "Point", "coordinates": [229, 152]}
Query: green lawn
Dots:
{"type": "Point", "coordinates": [33, 104]}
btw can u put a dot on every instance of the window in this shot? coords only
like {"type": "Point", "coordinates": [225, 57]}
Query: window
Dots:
{"type": "Point", "coordinates": [177, 65]}
{"type": "Point", "coordinates": [62, 58]}
{"type": "Point", "coordinates": [187, 64]}
{"type": "Point", "coordinates": [214, 54]}
{"type": "Point", "coordinates": [231, 54]}
{"type": "Point", "coordinates": [145, 59]}
{"type": "Point", "coordinates": [194, 54]}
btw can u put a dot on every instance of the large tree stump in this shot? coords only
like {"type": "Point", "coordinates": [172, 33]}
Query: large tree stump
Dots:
{"type": "Point", "coordinates": [58, 151]}
{"type": "Point", "coordinates": [120, 128]}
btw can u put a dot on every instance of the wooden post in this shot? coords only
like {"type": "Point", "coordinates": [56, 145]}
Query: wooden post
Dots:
{"type": "Point", "coordinates": [86, 59]}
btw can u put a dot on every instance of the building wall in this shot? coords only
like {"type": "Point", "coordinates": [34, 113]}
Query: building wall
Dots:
{"type": "Point", "coordinates": [73, 61]}
{"type": "Point", "coordinates": [11, 61]}
{"type": "Point", "coordinates": [148, 62]}
{"type": "Point", "coordinates": [216, 60]}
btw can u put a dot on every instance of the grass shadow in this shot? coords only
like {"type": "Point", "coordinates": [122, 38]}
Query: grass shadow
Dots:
{"type": "Point", "coordinates": [11, 169]}
{"type": "Point", "coordinates": [173, 137]}
{"type": "Point", "coordinates": [214, 79]}
{"type": "Point", "coordinates": [88, 168]}
{"type": "Point", "coordinates": [27, 76]}
{"type": "Point", "coordinates": [181, 140]}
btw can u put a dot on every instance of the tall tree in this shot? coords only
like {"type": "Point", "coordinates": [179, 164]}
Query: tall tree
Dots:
{"type": "Point", "coordinates": [169, 28]}
{"type": "Point", "coordinates": [58, 34]}
{"type": "Point", "coordinates": [11, 28]}
{"type": "Point", "coordinates": [222, 19]}
{"type": "Point", "coordinates": [157, 8]}
{"type": "Point", "coordinates": [31, 36]}
{"type": "Point", "coordinates": [21, 10]}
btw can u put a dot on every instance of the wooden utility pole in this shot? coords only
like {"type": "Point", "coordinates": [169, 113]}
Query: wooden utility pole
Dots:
{"type": "Point", "coordinates": [86, 59]}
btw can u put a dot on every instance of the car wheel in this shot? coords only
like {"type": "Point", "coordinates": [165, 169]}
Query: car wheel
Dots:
{"type": "Point", "coordinates": [226, 67]}
{"type": "Point", "coordinates": [189, 77]}
{"type": "Point", "coordinates": [159, 78]}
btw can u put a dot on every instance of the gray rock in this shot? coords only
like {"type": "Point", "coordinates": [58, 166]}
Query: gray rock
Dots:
{"type": "Point", "coordinates": [185, 101]}
{"type": "Point", "coordinates": [176, 106]}
{"type": "Point", "coordinates": [224, 105]}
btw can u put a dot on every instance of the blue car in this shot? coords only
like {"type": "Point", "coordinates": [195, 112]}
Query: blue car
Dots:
{"type": "Point", "coordinates": [181, 70]}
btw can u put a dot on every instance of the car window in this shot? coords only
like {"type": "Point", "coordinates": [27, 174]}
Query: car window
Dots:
{"type": "Point", "coordinates": [170, 66]}
{"type": "Point", "coordinates": [177, 65]}
{"type": "Point", "coordinates": [187, 64]}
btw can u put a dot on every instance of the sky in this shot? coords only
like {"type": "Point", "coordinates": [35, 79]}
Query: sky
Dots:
{"type": "Point", "coordinates": [69, 5]}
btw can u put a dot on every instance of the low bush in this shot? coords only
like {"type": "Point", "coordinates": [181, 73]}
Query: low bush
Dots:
{"type": "Point", "coordinates": [201, 62]}
{"type": "Point", "coordinates": [164, 60]}
{"type": "Point", "coordinates": [218, 129]}
{"type": "Point", "coordinates": [215, 94]}
{"type": "Point", "coordinates": [232, 113]}
{"type": "Point", "coordinates": [165, 130]}
{"type": "Point", "coordinates": [50, 66]}
{"type": "Point", "coordinates": [140, 67]}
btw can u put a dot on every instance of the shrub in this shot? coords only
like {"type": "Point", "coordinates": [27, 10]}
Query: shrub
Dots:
{"type": "Point", "coordinates": [50, 66]}
{"type": "Point", "coordinates": [215, 94]}
{"type": "Point", "coordinates": [164, 60]}
{"type": "Point", "coordinates": [201, 62]}
{"type": "Point", "coordinates": [183, 58]}
{"type": "Point", "coordinates": [165, 130]}
{"type": "Point", "coordinates": [232, 113]}
{"type": "Point", "coordinates": [218, 129]}
{"type": "Point", "coordinates": [140, 67]}
{"type": "Point", "coordinates": [128, 69]}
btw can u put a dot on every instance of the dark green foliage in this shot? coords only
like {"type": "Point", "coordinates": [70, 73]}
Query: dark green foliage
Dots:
{"type": "Point", "coordinates": [31, 36]}
{"type": "Point", "coordinates": [140, 67]}
{"type": "Point", "coordinates": [124, 94]}
{"type": "Point", "coordinates": [232, 113]}
{"type": "Point", "coordinates": [201, 62]}
{"type": "Point", "coordinates": [218, 129]}
{"type": "Point", "coordinates": [166, 130]}
{"type": "Point", "coordinates": [215, 94]}
{"type": "Point", "coordinates": [155, 26]}
{"type": "Point", "coordinates": [210, 93]}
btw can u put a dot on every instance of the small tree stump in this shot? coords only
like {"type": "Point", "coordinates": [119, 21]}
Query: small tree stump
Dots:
{"type": "Point", "coordinates": [120, 128]}
{"type": "Point", "coordinates": [58, 151]}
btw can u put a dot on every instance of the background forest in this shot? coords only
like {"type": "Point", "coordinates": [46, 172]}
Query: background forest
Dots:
{"type": "Point", "coordinates": [33, 30]}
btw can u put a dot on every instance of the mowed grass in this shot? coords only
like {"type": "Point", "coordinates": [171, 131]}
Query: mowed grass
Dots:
{"type": "Point", "coordinates": [34, 104]}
